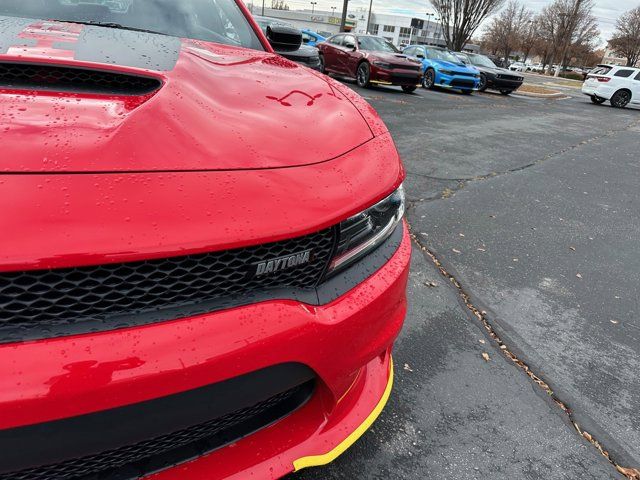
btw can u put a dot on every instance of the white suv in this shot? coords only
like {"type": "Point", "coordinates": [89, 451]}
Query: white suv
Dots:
{"type": "Point", "coordinates": [619, 85]}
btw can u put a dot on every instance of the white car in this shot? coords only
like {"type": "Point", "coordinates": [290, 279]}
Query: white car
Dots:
{"type": "Point", "coordinates": [518, 67]}
{"type": "Point", "coordinates": [619, 85]}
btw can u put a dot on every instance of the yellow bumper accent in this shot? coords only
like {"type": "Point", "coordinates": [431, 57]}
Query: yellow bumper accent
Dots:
{"type": "Point", "coordinates": [318, 460]}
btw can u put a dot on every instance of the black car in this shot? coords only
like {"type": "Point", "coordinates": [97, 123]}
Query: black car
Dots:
{"type": "Point", "coordinates": [492, 76]}
{"type": "Point", "coordinates": [304, 54]}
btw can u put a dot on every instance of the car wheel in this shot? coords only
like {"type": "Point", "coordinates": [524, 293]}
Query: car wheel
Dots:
{"type": "Point", "coordinates": [597, 100]}
{"type": "Point", "coordinates": [506, 92]}
{"type": "Point", "coordinates": [322, 66]}
{"type": "Point", "coordinates": [429, 79]}
{"type": "Point", "coordinates": [483, 83]}
{"type": "Point", "coordinates": [621, 99]}
{"type": "Point", "coordinates": [363, 75]}
{"type": "Point", "coordinates": [466, 92]}
{"type": "Point", "coordinates": [409, 88]}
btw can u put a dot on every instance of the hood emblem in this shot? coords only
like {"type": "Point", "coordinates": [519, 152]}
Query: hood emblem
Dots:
{"type": "Point", "coordinates": [280, 264]}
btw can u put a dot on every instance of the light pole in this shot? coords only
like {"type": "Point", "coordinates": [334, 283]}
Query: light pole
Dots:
{"type": "Point", "coordinates": [369, 17]}
{"type": "Point", "coordinates": [333, 12]}
{"type": "Point", "coordinates": [429, 17]}
{"type": "Point", "coordinates": [343, 21]}
{"type": "Point", "coordinates": [263, 8]}
{"type": "Point", "coordinates": [313, 7]}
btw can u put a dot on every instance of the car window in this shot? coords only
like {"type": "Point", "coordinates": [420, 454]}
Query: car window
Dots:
{"type": "Point", "coordinates": [337, 40]}
{"type": "Point", "coordinates": [410, 51]}
{"type": "Point", "coordinates": [444, 55]}
{"type": "Point", "coordinates": [638, 76]}
{"type": "Point", "coordinates": [306, 38]}
{"type": "Point", "coordinates": [376, 44]}
{"type": "Point", "coordinates": [481, 61]}
{"type": "Point", "coordinates": [349, 41]}
{"type": "Point", "coordinates": [601, 70]}
{"type": "Point", "coordinates": [623, 73]}
{"type": "Point", "coordinates": [219, 21]}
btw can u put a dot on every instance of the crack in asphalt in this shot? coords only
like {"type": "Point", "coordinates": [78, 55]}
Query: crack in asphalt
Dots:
{"type": "Point", "coordinates": [481, 316]}
{"type": "Point", "coordinates": [462, 182]}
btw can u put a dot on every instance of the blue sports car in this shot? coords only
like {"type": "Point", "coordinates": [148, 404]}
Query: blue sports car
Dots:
{"type": "Point", "coordinates": [444, 69]}
{"type": "Point", "coordinates": [311, 38]}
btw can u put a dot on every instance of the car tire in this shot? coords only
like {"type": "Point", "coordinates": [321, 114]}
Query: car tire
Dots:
{"type": "Point", "coordinates": [409, 88]}
{"type": "Point", "coordinates": [429, 79]}
{"type": "Point", "coordinates": [466, 92]}
{"type": "Point", "coordinates": [506, 92]}
{"type": "Point", "coordinates": [483, 83]}
{"type": "Point", "coordinates": [621, 99]}
{"type": "Point", "coordinates": [322, 65]}
{"type": "Point", "coordinates": [597, 100]}
{"type": "Point", "coordinates": [363, 75]}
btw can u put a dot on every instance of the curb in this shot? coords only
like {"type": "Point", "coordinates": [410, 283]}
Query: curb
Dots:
{"type": "Point", "coordinates": [541, 95]}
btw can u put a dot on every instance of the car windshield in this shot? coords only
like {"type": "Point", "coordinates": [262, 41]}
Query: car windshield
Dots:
{"type": "Point", "coordinates": [444, 55]}
{"type": "Point", "coordinates": [375, 44]}
{"type": "Point", "coordinates": [481, 61]}
{"type": "Point", "coordinates": [219, 21]}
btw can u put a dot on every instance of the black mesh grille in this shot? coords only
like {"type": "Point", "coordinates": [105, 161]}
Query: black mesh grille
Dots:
{"type": "Point", "coordinates": [458, 82]}
{"type": "Point", "coordinates": [133, 461]}
{"type": "Point", "coordinates": [45, 299]}
{"type": "Point", "coordinates": [26, 76]}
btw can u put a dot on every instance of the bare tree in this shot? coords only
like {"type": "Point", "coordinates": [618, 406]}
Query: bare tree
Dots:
{"type": "Point", "coordinates": [566, 25]}
{"type": "Point", "coordinates": [506, 30]}
{"type": "Point", "coordinates": [461, 18]}
{"type": "Point", "coordinates": [626, 39]}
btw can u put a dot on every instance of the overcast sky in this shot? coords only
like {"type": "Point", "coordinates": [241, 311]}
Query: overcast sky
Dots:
{"type": "Point", "coordinates": [607, 11]}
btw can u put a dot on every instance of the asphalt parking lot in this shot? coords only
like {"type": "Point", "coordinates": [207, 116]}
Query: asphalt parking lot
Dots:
{"type": "Point", "coordinates": [532, 205]}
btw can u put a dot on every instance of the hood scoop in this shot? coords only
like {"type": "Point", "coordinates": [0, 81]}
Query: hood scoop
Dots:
{"type": "Point", "coordinates": [31, 76]}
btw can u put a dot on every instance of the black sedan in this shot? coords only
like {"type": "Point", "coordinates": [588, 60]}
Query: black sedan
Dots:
{"type": "Point", "coordinates": [303, 54]}
{"type": "Point", "coordinates": [492, 76]}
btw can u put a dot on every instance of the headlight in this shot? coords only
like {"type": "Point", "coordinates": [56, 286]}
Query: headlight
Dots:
{"type": "Point", "coordinates": [386, 66]}
{"type": "Point", "coordinates": [361, 234]}
{"type": "Point", "coordinates": [446, 72]}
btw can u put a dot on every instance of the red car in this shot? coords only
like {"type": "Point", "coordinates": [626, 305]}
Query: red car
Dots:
{"type": "Point", "coordinates": [370, 60]}
{"type": "Point", "coordinates": [203, 260]}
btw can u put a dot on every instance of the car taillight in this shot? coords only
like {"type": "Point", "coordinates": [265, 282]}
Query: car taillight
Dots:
{"type": "Point", "coordinates": [603, 79]}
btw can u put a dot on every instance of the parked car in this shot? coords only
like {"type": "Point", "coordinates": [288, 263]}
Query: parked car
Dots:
{"type": "Point", "coordinates": [203, 255]}
{"type": "Point", "coordinates": [492, 76]}
{"type": "Point", "coordinates": [618, 85]}
{"type": "Point", "coordinates": [518, 67]}
{"type": "Point", "coordinates": [443, 69]}
{"type": "Point", "coordinates": [370, 60]}
{"type": "Point", "coordinates": [311, 38]}
{"type": "Point", "coordinates": [304, 54]}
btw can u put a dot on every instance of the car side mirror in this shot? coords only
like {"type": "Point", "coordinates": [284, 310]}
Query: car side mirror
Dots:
{"type": "Point", "coordinates": [351, 46]}
{"type": "Point", "coordinates": [420, 56]}
{"type": "Point", "coordinates": [284, 39]}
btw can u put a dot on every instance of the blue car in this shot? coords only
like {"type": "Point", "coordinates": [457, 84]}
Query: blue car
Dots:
{"type": "Point", "coordinates": [443, 69]}
{"type": "Point", "coordinates": [311, 38]}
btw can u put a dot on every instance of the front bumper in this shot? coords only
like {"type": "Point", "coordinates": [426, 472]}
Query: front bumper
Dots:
{"type": "Point", "coordinates": [504, 83]}
{"type": "Point", "coordinates": [458, 82]}
{"type": "Point", "coordinates": [400, 77]}
{"type": "Point", "coordinates": [347, 343]}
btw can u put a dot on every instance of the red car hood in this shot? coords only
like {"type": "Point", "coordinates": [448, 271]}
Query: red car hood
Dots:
{"type": "Point", "coordinates": [219, 107]}
{"type": "Point", "coordinates": [395, 58]}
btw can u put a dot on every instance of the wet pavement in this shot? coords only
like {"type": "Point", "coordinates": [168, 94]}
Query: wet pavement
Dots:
{"type": "Point", "coordinates": [533, 206]}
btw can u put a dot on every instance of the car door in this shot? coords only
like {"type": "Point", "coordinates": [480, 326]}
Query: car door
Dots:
{"type": "Point", "coordinates": [330, 50]}
{"type": "Point", "coordinates": [350, 55]}
{"type": "Point", "coordinates": [636, 88]}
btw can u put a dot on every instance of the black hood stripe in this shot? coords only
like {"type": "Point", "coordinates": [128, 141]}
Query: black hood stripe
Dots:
{"type": "Point", "coordinates": [102, 45]}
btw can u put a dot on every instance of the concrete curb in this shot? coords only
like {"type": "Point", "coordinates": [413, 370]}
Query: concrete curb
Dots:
{"type": "Point", "coordinates": [541, 95]}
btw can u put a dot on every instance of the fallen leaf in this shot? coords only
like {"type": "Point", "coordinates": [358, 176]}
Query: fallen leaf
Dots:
{"type": "Point", "coordinates": [431, 284]}
{"type": "Point", "coordinates": [631, 473]}
{"type": "Point", "coordinates": [482, 342]}
{"type": "Point", "coordinates": [455, 251]}
{"type": "Point", "coordinates": [481, 250]}
{"type": "Point", "coordinates": [572, 248]}
{"type": "Point", "coordinates": [615, 322]}
{"type": "Point", "coordinates": [407, 367]}
{"type": "Point", "coordinates": [461, 234]}
{"type": "Point", "coordinates": [578, 275]}
{"type": "Point", "coordinates": [485, 355]}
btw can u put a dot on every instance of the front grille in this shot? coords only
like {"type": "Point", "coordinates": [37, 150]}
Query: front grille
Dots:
{"type": "Point", "coordinates": [511, 78]}
{"type": "Point", "coordinates": [38, 301]}
{"type": "Point", "coordinates": [466, 74]}
{"type": "Point", "coordinates": [462, 83]}
{"type": "Point", "coordinates": [27, 76]}
{"type": "Point", "coordinates": [404, 66]}
{"type": "Point", "coordinates": [142, 458]}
